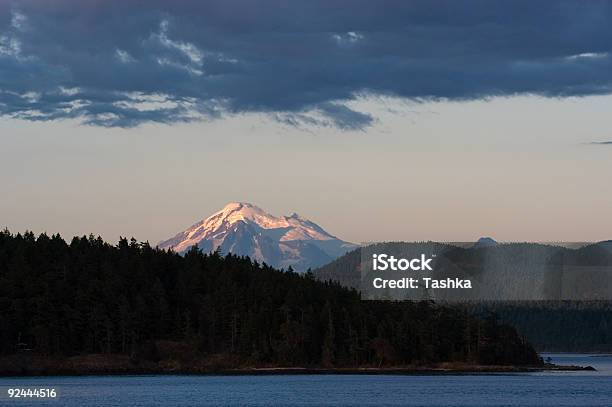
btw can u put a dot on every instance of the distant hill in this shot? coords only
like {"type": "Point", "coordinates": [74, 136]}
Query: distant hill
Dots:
{"type": "Point", "coordinates": [485, 242]}
{"type": "Point", "coordinates": [537, 271]}
{"type": "Point", "coordinates": [568, 326]}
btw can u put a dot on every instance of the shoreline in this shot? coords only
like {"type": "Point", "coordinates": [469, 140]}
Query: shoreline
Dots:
{"type": "Point", "coordinates": [47, 367]}
{"type": "Point", "coordinates": [424, 370]}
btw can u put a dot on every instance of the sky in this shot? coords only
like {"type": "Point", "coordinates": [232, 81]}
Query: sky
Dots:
{"type": "Point", "coordinates": [395, 121]}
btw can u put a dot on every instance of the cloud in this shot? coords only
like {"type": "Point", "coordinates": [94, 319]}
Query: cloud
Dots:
{"type": "Point", "coordinates": [348, 38]}
{"type": "Point", "coordinates": [300, 62]}
{"type": "Point", "coordinates": [600, 143]}
{"type": "Point", "coordinates": [588, 55]}
{"type": "Point", "coordinates": [124, 56]}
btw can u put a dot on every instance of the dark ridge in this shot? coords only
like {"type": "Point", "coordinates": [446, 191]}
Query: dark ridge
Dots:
{"type": "Point", "coordinates": [91, 305]}
{"type": "Point", "coordinates": [549, 325]}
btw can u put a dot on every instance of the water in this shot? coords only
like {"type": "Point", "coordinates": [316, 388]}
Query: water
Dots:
{"type": "Point", "coordinates": [532, 389]}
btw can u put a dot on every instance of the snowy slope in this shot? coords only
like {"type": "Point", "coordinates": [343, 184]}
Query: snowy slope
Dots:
{"type": "Point", "coordinates": [244, 229]}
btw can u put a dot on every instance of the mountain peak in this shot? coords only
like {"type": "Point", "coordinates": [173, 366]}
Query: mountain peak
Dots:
{"type": "Point", "coordinates": [238, 205]}
{"type": "Point", "coordinates": [485, 242]}
{"type": "Point", "coordinates": [245, 229]}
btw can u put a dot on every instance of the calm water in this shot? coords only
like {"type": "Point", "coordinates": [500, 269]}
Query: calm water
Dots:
{"type": "Point", "coordinates": [538, 389]}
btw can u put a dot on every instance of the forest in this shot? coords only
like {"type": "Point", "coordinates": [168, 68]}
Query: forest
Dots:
{"type": "Point", "coordinates": [90, 297]}
{"type": "Point", "coordinates": [550, 325]}
{"type": "Point", "coordinates": [556, 326]}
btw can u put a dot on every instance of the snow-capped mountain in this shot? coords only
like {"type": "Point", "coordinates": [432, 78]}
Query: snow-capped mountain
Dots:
{"type": "Point", "coordinates": [244, 229]}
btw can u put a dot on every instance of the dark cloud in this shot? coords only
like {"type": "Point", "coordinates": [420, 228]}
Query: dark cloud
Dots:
{"type": "Point", "coordinates": [122, 63]}
{"type": "Point", "coordinates": [600, 143]}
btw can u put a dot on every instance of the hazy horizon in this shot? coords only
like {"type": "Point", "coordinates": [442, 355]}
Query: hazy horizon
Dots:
{"type": "Point", "coordinates": [457, 177]}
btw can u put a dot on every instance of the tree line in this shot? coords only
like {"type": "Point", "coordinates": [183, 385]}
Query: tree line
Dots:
{"type": "Point", "coordinates": [88, 296]}
{"type": "Point", "coordinates": [556, 326]}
